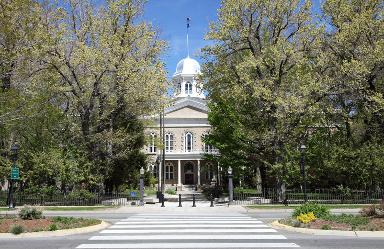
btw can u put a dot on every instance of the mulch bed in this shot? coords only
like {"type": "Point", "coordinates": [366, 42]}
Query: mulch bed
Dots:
{"type": "Point", "coordinates": [36, 225]}
{"type": "Point", "coordinates": [375, 224]}
{"type": "Point", "coordinates": [318, 224]}
{"type": "Point", "coordinates": [29, 225]}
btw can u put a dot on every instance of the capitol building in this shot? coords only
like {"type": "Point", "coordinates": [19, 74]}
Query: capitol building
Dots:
{"type": "Point", "coordinates": [185, 125]}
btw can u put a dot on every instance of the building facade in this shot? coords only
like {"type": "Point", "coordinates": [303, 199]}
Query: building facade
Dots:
{"type": "Point", "coordinates": [185, 125]}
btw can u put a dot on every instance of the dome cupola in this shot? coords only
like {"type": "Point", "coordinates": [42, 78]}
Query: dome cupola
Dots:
{"type": "Point", "coordinates": [187, 66]}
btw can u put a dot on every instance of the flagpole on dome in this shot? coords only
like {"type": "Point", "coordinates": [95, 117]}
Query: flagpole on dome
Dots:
{"type": "Point", "coordinates": [188, 20]}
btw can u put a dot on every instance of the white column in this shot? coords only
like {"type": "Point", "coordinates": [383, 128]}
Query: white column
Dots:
{"type": "Point", "coordinates": [198, 172]}
{"type": "Point", "coordinates": [179, 173]}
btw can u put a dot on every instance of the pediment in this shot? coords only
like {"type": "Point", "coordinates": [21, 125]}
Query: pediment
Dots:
{"type": "Point", "coordinates": [187, 112]}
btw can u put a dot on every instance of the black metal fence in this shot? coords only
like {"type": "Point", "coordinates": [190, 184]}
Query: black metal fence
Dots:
{"type": "Point", "coordinates": [296, 196]}
{"type": "Point", "coordinates": [118, 199]}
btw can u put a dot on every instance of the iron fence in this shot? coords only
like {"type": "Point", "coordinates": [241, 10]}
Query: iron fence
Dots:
{"type": "Point", "coordinates": [116, 199]}
{"type": "Point", "coordinates": [296, 196]}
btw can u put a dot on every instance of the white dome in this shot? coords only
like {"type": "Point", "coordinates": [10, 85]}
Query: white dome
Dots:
{"type": "Point", "coordinates": [187, 66]}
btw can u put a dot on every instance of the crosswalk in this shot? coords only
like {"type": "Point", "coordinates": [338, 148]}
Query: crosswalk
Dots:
{"type": "Point", "coordinates": [193, 231]}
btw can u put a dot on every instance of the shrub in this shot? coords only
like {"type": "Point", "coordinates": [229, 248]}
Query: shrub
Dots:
{"type": "Point", "coordinates": [380, 209]}
{"type": "Point", "coordinates": [64, 220]}
{"type": "Point", "coordinates": [17, 229]}
{"type": "Point", "coordinates": [319, 211]}
{"type": "Point", "coordinates": [30, 213]}
{"type": "Point", "coordinates": [81, 194]}
{"type": "Point", "coordinates": [368, 211]}
{"type": "Point", "coordinates": [326, 227]}
{"type": "Point", "coordinates": [170, 191]}
{"type": "Point", "coordinates": [306, 218]}
{"type": "Point", "coordinates": [53, 227]}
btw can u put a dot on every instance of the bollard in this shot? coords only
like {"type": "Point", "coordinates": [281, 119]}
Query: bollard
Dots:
{"type": "Point", "coordinates": [211, 200]}
{"type": "Point", "coordinates": [193, 200]}
{"type": "Point", "coordinates": [180, 200]}
{"type": "Point", "coordinates": [162, 200]}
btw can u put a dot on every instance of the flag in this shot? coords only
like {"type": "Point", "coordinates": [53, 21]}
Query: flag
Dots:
{"type": "Point", "coordinates": [188, 20]}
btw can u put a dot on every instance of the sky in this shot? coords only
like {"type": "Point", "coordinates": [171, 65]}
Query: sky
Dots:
{"type": "Point", "coordinates": [169, 16]}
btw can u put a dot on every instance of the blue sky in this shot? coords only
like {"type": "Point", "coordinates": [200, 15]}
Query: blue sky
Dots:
{"type": "Point", "coordinates": [169, 16]}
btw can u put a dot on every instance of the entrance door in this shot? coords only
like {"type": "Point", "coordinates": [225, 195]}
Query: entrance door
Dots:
{"type": "Point", "coordinates": [189, 179]}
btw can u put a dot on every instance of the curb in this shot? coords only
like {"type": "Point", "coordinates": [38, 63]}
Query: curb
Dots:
{"type": "Point", "coordinates": [57, 233]}
{"type": "Point", "coordinates": [359, 234]}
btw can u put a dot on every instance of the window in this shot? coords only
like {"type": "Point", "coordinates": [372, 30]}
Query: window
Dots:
{"type": "Point", "coordinates": [209, 172]}
{"type": "Point", "coordinates": [188, 142]}
{"type": "Point", "coordinates": [169, 171]}
{"type": "Point", "coordinates": [152, 146]}
{"type": "Point", "coordinates": [208, 148]}
{"type": "Point", "coordinates": [188, 88]}
{"type": "Point", "coordinates": [168, 142]}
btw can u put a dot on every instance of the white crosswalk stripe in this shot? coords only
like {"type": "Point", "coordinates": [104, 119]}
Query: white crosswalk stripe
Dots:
{"type": "Point", "coordinates": [194, 231]}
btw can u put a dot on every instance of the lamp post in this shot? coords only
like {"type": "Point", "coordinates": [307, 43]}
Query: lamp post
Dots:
{"type": "Point", "coordinates": [142, 186]}
{"type": "Point", "coordinates": [14, 174]}
{"type": "Point", "coordinates": [302, 167]}
{"type": "Point", "coordinates": [158, 173]}
{"type": "Point", "coordinates": [230, 184]}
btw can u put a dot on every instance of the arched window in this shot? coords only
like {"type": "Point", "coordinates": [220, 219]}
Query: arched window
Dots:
{"type": "Point", "coordinates": [169, 171]}
{"type": "Point", "coordinates": [188, 144]}
{"type": "Point", "coordinates": [188, 88]}
{"type": "Point", "coordinates": [169, 142]}
{"type": "Point", "coordinates": [209, 172]}
{"type": "Point", "coordinates": [152, 143]}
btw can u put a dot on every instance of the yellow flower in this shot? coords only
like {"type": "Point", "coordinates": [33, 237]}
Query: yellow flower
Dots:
{"type": "Point", "coordinates": [306, 218]}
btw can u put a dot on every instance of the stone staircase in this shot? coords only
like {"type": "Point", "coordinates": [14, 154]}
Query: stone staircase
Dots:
{"type": "Point", "coordinates": [187, 194]}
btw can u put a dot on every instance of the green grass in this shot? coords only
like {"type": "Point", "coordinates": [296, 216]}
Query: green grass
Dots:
{"type": "Point", "coordinates": [278, 206]}
{"type": "Point", "coordinates": [89, 208]}
{"type": "Point", "coordinates": [4, 209]}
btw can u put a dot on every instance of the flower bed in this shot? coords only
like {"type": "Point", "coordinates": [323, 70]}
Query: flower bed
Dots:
{"type": "Point", "coordinates": [316, 216]}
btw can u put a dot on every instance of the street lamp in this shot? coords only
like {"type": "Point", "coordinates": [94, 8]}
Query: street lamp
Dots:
{"type": "Point", "coordinates": [142, 186]}
{"type": "Point", "coordinates": [302, 167]}
{"type": "Point", "coordinates": [14, 174]}
{"type": "Point", "coordinates": [230, 184]}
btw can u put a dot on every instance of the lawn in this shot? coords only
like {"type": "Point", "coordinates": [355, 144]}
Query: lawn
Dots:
{"type": "Point", "coordinates": [333, 206]}
{"type": "Point", "coordinates": [74, 208]}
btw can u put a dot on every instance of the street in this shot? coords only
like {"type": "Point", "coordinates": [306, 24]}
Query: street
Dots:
{"type": "Point", "coordinates": [219, 227]}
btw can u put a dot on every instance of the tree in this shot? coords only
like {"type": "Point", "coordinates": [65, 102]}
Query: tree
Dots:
{"type": "Point", "coordinates": [106, 64]}
{"type": "Point", "coordinates": [260, 78]}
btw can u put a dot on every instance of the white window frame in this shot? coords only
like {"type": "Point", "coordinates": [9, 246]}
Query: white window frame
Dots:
{"type": "Point", "coordinates": [152, 143]}
{"type": "Point", "coordinates": [188, 88]}
{"type": "Point", "coordinates": [186, 142]}
{"type": "Point", "coordinates": [169, 142]}
{"type": "Point", "coordinates": [169, 171]}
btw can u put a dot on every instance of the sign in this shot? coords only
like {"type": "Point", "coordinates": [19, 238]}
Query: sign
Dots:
{"type": "Point", "coordinates": [133, 194]}
{"type": "Point", "coordinates": [15, 173]}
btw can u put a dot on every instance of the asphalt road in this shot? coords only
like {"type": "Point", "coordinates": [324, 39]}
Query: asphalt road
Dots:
{"type": "Point", "coordinates": [266, 216]}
